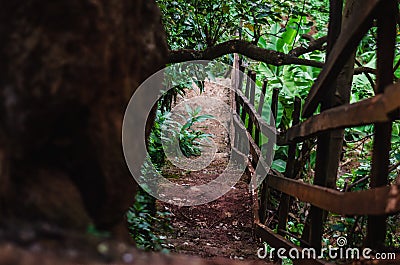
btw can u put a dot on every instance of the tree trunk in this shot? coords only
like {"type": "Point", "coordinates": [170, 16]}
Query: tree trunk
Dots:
{"type": "Point", "coordinates": [67, 71]}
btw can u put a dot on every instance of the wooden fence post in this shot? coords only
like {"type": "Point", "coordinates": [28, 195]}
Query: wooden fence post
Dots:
{"type": "Point", "coordinates": [284, 204]}
{"type": "Point", "coordinates": [251, 98]}
{"type": "Point", "coordinates": [383, 131]}
{"type": "Point", "coordinates": [330, 143]}
{"type": "Point", "coordinates": [259, 110]}
{"type": "Point", "coordinates": [247, 91]}
{"type": "Point", "coordinates": [264, 188]}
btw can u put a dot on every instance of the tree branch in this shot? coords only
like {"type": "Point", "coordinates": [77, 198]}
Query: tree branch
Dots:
{"type": "Point", "coordinates": [367, 75]}
{"type": "Point", "coordinates": [314, 45]}
{"type": "Point", "coordinates": [253, 52]}
{"type": "Point", "coordinates": [243, 47]}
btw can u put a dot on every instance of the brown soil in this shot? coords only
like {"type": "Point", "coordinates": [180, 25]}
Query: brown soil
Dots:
{"type": "Point", "coordinates": [222, 228]}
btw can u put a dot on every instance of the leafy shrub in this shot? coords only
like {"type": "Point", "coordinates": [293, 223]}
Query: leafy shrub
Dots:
{"type": "Point", "coordinates": [189, 138]}
{"type": "Point", "coordinates": [146, 224]}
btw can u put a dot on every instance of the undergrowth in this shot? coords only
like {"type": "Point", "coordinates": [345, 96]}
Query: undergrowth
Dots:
{"type": "Point", "coordinates": [148, 226]}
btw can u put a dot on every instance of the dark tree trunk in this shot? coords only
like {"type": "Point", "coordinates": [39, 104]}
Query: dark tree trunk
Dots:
{"type": "Point", "coordinates": [67, 71]}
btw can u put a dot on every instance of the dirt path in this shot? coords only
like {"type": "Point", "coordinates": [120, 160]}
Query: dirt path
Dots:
{"type": "Point", "coordinates": [222, 228]}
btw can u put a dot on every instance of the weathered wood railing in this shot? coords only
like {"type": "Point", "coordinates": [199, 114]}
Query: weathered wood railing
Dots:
{"type": "Point", "coordinates": [381, 110]}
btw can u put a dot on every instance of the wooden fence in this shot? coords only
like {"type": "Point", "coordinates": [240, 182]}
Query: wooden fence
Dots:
{"type": "Point", "coordinates": [381, 110]}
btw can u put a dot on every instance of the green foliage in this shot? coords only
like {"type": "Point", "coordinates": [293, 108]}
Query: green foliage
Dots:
{"type": "Point", "coordinates": [155, 149]}
{"type": "Point", "coordinates": [196, 24]}
{"type": "Point", "coordinates": [287, 261]}
{"type": "Point", "coordinates": [291, 80]}
{"type": "Point", "coordinates": [189, 138]}
{"type": "Point", "coordinates": [146, 224]}
{"type": "Point", "coordinates": [295, 228]}
{"type": "Point", "coordinates": [279, 165]}
{"type": "Point", "coordinates": [182, 76]}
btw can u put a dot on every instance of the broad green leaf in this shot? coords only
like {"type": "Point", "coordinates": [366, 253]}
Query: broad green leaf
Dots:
{"type": "Point", "coordinates": [279, 165]}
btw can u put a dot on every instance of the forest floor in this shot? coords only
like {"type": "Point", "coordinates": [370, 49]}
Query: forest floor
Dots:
{"type": "Point", "coordinates": [221, 228]}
